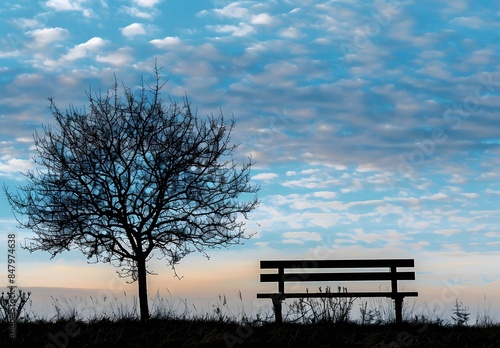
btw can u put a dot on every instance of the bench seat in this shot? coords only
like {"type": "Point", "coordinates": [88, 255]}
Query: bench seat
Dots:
{"type": "Point", "coordinates": [389, 273]}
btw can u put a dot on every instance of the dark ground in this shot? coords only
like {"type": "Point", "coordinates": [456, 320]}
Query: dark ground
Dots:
{"type": "Point", "coordinates": [192, 333]}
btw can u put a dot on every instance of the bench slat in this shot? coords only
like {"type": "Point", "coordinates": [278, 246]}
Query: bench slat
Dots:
{"type": "Point", "coordinates": [266, 264]}
{"type": "Point", "coordinates": [316, 277]}
{"type": "Point", "coordinates": [338, 294]}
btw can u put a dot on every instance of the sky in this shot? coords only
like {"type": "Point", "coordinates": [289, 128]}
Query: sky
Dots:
{"type": "Point", "coordinates": [373, 125]}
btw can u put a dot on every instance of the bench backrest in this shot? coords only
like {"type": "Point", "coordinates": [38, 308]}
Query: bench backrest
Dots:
{"type": "Point", "coordinates": [391, 274]}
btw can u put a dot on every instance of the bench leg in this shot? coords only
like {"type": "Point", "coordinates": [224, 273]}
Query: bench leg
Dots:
{"type": "Point", "coordinates": [277, 310]}
{"type": "Point", "coordinates": [398, 307]}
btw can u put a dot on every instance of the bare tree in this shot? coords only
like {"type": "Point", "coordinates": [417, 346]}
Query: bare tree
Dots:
{"type": "Point", "coordinates": [132, 177]}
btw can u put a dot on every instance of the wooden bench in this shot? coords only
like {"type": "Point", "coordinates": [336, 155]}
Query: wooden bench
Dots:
{"type": "Point", "coordinates": [340, 270]}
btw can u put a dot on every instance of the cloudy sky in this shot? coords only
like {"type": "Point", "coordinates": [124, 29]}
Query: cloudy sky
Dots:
{"type": "Point", "coordinates": [374, 125]}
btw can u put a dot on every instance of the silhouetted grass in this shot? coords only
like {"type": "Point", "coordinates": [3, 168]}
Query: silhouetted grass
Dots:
{"type": "Point", "coordinates": [209, 333]}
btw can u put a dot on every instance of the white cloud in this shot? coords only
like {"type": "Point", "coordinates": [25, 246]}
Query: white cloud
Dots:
{"type": "Point", "coordinates": [389, 209]}
{"type": "Point", "coordinates": [43, 37]}
{"type": "Point", "coordinates": [26, 23]}
{"type": "Point", "coordinates": [147, 3]}
{"type": "Point", "coordinates": [302, 236]}
{"type": "Point", "coordinates": [133, 30]}
{"type": "Point", "coordinates": [25, 140]}
{"type": "Point", "coordinates": [448, 232]}
{"type": "Point", "coordinates": [492, 234]}
{"type": "Point", "coordinates": [233, 10]}
{"type": "Point", "coordinates": [67, 5]}
{"type": "Point", "coordinates": [310, 171]}
{"type": "Point", "coordinates": [474, 22]}
{"type": "Point", "coordinates": [369, 238]}
{"type": "Point", "coordinates": [291, 33]}
{"type": "Point", "coordinates": [265, 176]}
{"type": "Point", "coordinates": [375, 202]}
{"type": "Point", "coordinates": [437, 197]}
{"type": "Point", "coordinates": [355, 186]}
{"type": "Point", "coordinates": [312, 182]}
{"type": "Point", "coordinates": [477, 228]}
{"type": "Point", "coordinates": [460, 219]}
{"type": "Point", "coordinates": [25, 80]}
{"type": "Point", "coordinates": [84, 49]}
{"type": "Point", "coordinates": [419, 245]}
{"type": "Point", "coordinates": [121, 57]}
{"type": "Point", "coordinates": [325, 194]}
{"type": "Point", "coordinates": [470, 195]}
{"type": "Point", "coordinates": [63, 5]}
{"type": "Point", "coordinates": [481, 57]}
{"type": "Point", "coordinates": [10, 166]}
{"type": "Point", "coordinates": [437, 69]}
{"type": "Point", "coordinates": [241, 30]}
{"type": "Point", "coordinates": [262, 19]}
{"type": "Point", "coordinates": [367, 167]}
{"type": "Point", "coordinates": [168, 41]}
{"type": "Point", "coordinates": [91, 48]}
{"type": "Point", "coordinates": [145, 14]}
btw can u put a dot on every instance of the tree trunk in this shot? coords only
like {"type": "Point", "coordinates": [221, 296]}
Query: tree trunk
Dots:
{"type": "Point", "coordinates": [143, 290]}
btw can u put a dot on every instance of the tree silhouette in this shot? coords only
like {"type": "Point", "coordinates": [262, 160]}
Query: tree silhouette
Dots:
{"type": "Point", "coordinates": [132, 177]}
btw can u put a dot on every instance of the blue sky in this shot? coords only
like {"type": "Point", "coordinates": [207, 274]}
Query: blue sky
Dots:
{"type": "Point", "coordinates": [374, 124]}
